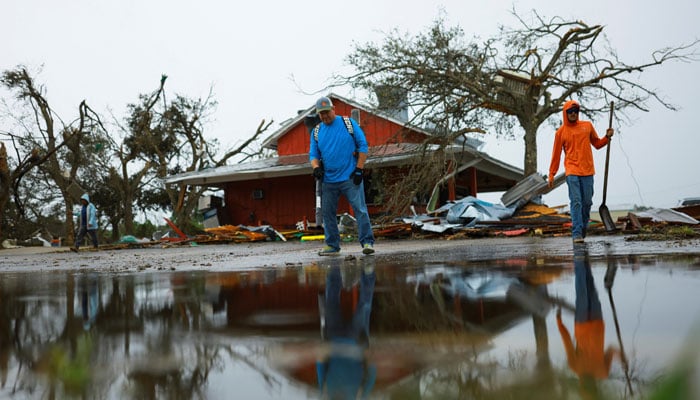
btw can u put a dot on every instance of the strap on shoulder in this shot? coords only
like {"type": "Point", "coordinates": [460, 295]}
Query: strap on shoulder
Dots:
{"type": "Point", "coordinates": [316, 129]}
{"type": "Point", "coordinates": [348, 125]}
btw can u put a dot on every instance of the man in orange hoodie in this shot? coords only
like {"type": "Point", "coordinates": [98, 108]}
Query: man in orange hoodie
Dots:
{"type": "Point", "coordinates": [575, 138]}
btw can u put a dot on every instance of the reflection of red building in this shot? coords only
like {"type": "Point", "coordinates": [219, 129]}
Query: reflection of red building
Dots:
{"type": "Point", "coordinates": [280, 305]}
{"type": "Point", "coordinates": [407, 319]}
{"type": "Point", "coordinates": [287, 299]}
{"type": "Point", "coordinates": [279, 301]}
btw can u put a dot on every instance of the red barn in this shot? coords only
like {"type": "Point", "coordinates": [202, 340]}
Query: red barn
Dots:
{"type": "Point", "coordinates": [280, 191]}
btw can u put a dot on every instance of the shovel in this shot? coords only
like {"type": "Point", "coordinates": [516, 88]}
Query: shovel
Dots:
{"type": "Point", "coordinates": [603, 210]}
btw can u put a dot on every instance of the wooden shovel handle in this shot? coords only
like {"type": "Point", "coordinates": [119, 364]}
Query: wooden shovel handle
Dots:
{"type": "Point", "coordinates": [607, 156]}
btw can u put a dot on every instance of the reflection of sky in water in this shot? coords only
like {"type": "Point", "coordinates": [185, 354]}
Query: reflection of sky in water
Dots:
{"type": "Point", "coordinates": [153, 292]}
{"type": "Point", "coordinates": [239, 381]}
{"type": "Point", "coordinates": [656, 309]}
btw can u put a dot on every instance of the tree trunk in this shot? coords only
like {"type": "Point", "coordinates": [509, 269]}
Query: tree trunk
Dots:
{"type": "Point", "coordinates": [3, 201]}
{"type": "Point", "coordinates": [115, 229]}
{"type": "Point", "coordinates": [70, 219]}
{"type": "Point", "coordinates": [128, 213]}
{"type": "Point", "coordinates": [5, 183]}
{"type": "Point", "coordinates": [530, 164]}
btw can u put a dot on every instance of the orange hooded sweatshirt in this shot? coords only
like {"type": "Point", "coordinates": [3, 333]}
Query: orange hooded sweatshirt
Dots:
{"type": "Point", "coordinates": [575, 138]}
{"type": "Point", "coordinates": [588, 356]}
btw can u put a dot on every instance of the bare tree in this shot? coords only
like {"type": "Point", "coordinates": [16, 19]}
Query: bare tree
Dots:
{"type": "Point", "coordinates": [45, 143]}
{"type": "Point", "coordinates": [522, 76]}
{"type": "Point", "coordinates": [169, 137]}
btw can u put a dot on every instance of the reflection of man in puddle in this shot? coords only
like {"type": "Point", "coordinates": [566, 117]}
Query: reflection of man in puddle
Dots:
{"type": "Point", "coordinates": [587, 359]}
{"type": "Point", "coordinates": [89, 300]}
{"type": "Point", "coordinates": [344, 371]}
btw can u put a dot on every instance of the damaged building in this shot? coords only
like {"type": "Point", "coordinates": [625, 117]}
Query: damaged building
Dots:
{"type": "Point", "coordinates": [280, 191]}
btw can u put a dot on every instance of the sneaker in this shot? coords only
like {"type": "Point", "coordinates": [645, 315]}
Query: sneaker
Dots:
{"type": "Point", "coordinates": [578, 239]}
{"type": "Point", "coordinates": [329, 251]}
{"type": "Point", "coordinates": [367, 249]}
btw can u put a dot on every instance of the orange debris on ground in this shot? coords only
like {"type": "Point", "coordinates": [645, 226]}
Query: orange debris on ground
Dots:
{"type": "Point", "coordinates": [235, 234]}
{"type": "Point", "coordinates": [531, 210]}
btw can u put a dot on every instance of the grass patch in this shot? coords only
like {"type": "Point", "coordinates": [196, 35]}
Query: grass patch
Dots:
{"type": "Point", "coordinates": [665, 232]}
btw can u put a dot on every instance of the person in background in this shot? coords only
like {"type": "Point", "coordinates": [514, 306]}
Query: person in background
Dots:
{"type": "Point", "coordinates": [87, 223]}
{"type": "Point", "coordinates": [337, 154]}
{"type": "Point", "coordinates": [575, 138]}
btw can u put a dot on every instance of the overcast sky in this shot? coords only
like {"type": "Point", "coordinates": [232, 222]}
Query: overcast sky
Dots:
{"type": "Point", "coordinates": [265, 59]}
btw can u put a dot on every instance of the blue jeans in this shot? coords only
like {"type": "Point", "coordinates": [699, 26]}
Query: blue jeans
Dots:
{"type": "Point", "coordinates": [581, 200]}
{"type": "Point", "coordinates": [330, 194]}
{"type": "Point", "coordinates": [81, 235]}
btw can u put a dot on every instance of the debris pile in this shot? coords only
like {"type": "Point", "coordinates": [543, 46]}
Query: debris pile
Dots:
{"type": "Point", "coordinates": [521, 213]}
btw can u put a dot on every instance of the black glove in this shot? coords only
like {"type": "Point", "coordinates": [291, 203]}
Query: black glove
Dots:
{"type": "Point", "coordinates": [318, 173]}
{"type": "Point", "coordinates": [357, 176]}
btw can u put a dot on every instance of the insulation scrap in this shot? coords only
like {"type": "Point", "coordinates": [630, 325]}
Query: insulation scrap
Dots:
{"type": "Point", "coordinates": [531, 210]}
{"type": "Point", "coordinates": [235, 234]}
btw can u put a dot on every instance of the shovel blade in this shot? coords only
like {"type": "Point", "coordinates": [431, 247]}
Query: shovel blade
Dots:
{"type": "Point", "coordinates": [607, 219]}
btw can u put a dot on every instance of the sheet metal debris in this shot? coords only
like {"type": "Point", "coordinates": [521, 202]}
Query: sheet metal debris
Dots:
{"type": "Point", "coordinates": [666, 215]}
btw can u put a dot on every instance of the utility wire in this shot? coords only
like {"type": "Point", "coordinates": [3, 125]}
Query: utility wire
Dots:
{"type": "Point", "coordinates": [629, 165]}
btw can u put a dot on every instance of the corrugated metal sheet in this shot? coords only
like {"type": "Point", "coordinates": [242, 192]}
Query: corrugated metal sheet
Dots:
{"type": "Point", "coordinates": [298, 164]}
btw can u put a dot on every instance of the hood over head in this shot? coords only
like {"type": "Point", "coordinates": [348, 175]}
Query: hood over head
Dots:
{"type": "Point", "coordinates": [85, 197]}
{"type": "Point", "coordinates": [569, 104]}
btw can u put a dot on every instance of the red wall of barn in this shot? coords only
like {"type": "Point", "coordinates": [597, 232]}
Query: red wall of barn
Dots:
{"type": "Point", "coordinates": [285, 201]}
{"type": "Point", "coordinates": [295, 141]}
{"type": "Point", "coordinates": [377, 130]}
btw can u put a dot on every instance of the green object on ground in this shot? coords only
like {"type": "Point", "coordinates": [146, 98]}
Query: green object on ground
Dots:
{"type": "Point", "coordinates": [128, 239]}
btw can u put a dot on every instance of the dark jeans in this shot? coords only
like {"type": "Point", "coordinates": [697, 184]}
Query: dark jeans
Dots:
{"type": "Point", "coordinates": [329, 207]}
{"type": "Point", "coordinates": [81, 235]}
{"type": "Point", "coordinates": [581, 198]}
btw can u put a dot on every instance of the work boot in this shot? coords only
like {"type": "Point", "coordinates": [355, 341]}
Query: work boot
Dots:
{"type": "Point", "coordinates": [578, 239]}
{"type": "Point", "coordinates": [367, 248]}
{"type": "Point", "coordinates": [74, 249]}
{"type": "Point", "coordinates": [329, 251]}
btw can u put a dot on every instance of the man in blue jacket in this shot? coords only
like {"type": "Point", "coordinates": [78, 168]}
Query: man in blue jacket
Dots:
{"type": "Point", "coordinates": [88, 223]}
{"type": "Point", "coordinates": [337, 153]}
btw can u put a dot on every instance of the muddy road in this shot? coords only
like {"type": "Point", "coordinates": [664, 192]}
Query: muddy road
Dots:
{"type": "Point", "coordinates": [239, 256]}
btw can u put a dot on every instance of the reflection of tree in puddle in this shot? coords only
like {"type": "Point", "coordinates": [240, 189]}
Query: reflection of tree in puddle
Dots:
{"type": "Point", "coordinates": [436, 332]}
{"type": "Point", "coordinates": [111, 338]}
{"type": "Point", "coordinates": [174, 358]}
{"type": "Point", "coordinates": [472, 307]}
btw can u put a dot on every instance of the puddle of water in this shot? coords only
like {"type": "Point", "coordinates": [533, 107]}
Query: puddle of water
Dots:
{"type": "Point", "coordinates": [517, 328]}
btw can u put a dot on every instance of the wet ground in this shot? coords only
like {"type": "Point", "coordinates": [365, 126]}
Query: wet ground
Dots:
{"type": "Point", "coordinates": [422, 319]}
